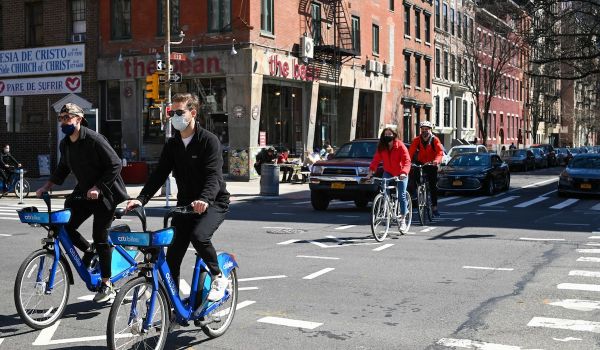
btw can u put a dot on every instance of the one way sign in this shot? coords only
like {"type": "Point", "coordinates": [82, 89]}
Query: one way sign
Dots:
{"type": "Point", "coordinates": [176, 78]}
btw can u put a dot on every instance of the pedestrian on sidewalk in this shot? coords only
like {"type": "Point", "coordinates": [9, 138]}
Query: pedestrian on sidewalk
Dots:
{"type": "Point", "coordinates": [97, 168]}
{"type": "Point", "coordinates": [194, 155]}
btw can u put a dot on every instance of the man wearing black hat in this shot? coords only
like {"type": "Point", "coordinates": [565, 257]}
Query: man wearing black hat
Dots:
{"type": "Point", "coordinates": [97, 168]}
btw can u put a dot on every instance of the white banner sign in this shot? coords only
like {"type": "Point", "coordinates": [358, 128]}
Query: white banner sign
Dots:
{"type": "Point", "coordinates": [40, 86]}
{"type": "Point", "coordinates": [42, 60]}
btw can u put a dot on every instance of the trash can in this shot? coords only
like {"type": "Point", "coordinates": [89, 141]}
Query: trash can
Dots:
{"type": "Point", "coordinates": [269, 180]}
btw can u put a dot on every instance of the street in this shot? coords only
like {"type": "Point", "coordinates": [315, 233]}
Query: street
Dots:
{"type": "Point", "coordinates": [518, 270]}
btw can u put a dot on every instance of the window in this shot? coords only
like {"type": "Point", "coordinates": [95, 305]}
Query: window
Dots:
{"type": "Point", "coordinates": [375, 39]}
{"type": "Point", "coordinates": [174, 12]}
{"type": "Point", "coordinates": [452, 68]}
{"type": "Point", "coordinates": [417, 71]}
{"type": "Point", "coordinates": [437, 111]}
{"type": "Point", "coordinates": [472, 119]}
{"type": "Point", "coordinates": [459, 25]}
{"type": "Point", "coordinates": [315, 22]}
{"type": "Point", "coordinates": [407, 20]}
{"type": "Point", "coordinates": [446, 112]}
{"type": "Point", "coordinates": [120, 19]}
{"type": "Point", "coordinates": [427, 28]}
{"type": "Point", "coordinates": [391, 5]}
{"type": "Point", "coordinates": [438, 63]}
{"type": "Point", "coordinates": [471, 30]}
{"type": "Point", "coordinates": [445, 65]}
{"type": "Point", "coordinates": [417, 24]}
{"type": "Point", "coordinates": [219, 15]}
{"type": "Point", "coordinates": [406, 69]}
{"type": "Point", "coordinates": [428, 74]}
{"type": "Point", "coordinates": [356, 33]}
{"type": "Point", "coordinates": [437, 13]}
{"type": "Point", "coordinates": [465, 26]}
{"type": "Point", "coordinates": [459, 69]}
{"type": "Point", "coordinates": [78, 16]}
{"type": "Point", "coordinates": [445, 13]}
{"type": "Point", "coordinates": [34, 23]}
{"type": "Point", "coordinates": [267, 17]}
{"type": "Point", "coordinates": [465, 115]}
{"type": "Point", "coordinates": [452, 21]}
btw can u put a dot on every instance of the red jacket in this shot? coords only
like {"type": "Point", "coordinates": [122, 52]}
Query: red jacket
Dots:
{"type": "Point", "coordinates": [427, 153]}
{"type": "Point", "coordinates": [395, 161]}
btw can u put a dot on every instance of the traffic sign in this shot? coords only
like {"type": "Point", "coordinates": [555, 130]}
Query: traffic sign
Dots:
{"type": "Point", "coordinates": [178, 56]}
{"type": "Point", "coordinates": [176, 78]}
{"type": "Point", "coordinates": [160, 65]}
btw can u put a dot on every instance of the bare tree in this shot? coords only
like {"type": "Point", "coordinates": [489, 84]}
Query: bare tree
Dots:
{"type": "Point", "coordinates": [493, 54]}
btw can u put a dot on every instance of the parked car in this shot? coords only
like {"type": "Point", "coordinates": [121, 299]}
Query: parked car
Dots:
{"type": "Point", "coordinates": [340, 177]}
{"type": "Point", "coordinates": [463, 149]}
{"type": "Point", "coordinates": [581, 176]}
{"type": "Point", "coordinates": [523, 159]}
{"type": "Point", "coordinates": [549, 152]}
{"type": "Point", "coordinates": [474, 172]}
{"type": "Point", "coordinates": [541, 159]}
{"type": "Point", "coordinates": [563, 156]}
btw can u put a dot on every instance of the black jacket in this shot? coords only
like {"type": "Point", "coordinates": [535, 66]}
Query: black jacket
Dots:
{"type": "Point", "coordinates": [93, 162]}
{"type": "Point", "coordinates": [8, 159]}
{"type": "Point", "coordinates": [197, 169]}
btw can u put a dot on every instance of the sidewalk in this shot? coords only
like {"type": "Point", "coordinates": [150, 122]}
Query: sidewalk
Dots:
{"type": "Point", "coordinates": [240, 191]}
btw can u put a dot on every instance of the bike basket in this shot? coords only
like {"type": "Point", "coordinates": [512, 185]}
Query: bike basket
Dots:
{"type": "Point", "coordinates": [55, 217]}
{"type": "Point", "coordinates": [160, 238]}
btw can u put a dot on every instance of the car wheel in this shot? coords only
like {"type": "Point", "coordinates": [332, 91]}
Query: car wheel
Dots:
{"type": "Point", "coordinates": [491, 188]}
{"type": "Point", "coordinates": [319, 200]}
{"type": "Point", "coordinates": [361, 203]}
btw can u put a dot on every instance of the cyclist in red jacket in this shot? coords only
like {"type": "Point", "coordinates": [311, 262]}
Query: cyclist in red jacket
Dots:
{"type": "Point", "coordinates": [396, 162]}
{"type": "Point", "coordinates": [427, 149]}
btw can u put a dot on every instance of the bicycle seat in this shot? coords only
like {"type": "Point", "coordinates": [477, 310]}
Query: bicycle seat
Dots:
{"type": "Point", "coordinates": [160, 238]}
{"type": "Point", "coordinates": [30, 215]}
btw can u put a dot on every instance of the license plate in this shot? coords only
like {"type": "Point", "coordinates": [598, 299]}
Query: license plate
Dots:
{"type": "Point", "coordinates": [338, 185]}
{"type": "Point", "coordinates": [586, 186]}
{"type": "Point", "coordinates": [456, 183]}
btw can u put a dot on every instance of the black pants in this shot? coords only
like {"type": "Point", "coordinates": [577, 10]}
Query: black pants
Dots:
{"type": "Point", "coordinates": [430, 173]}
{"type": "Point", "coordinates": [197, 229]}
{"type": "Point", "coordinates": [286, 171]}
{"type": "Point", "coordinates": [5, 174]}
{"type": "Point", "coordinates": [81, 210]}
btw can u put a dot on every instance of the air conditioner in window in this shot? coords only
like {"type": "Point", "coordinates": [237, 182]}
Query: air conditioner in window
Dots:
{"type": "Point", "coordinates": [378, 67]}
{"type": "Point", "coordinates": [306, 47]}
{"type": "Point", "coordinates": [387, 69]}
{"type": "Point", "coordinates": [78, 38]}
{"type": "Point", "coordinates": [370, 66]}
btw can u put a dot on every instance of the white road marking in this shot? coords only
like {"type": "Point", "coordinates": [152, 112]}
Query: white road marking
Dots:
{"type": "Point", "coordinates": [385, 246]}
{"type": "Point", "coordinates": [541, 239]}
{"type": "Point", "coordinates": [261, 278]}
{"type": "Point", "coordinates": [531, 202]}
{"type": "Point", "coordinates": [442, 200]}
{"type": "Point", "coordinates": [492, 210]}
{"type": "Point", "coordinates": [488, 268]}
{"type": "Point", "coordinates": [345, 227]}
{"type": "Point", "coordinates": [3, 218]}
{"type": "Point", "coordinates": [5, 235]}
{"type": "Point", "coordinates": [584, 273]}
{"type": "Point", "coordinates": [279, 227]}
{"type": "Point", "coordinates": [289, 322]}
{"type": "Point", "coordinates": [588, 259]}
{"type": "Point", "coordinates": [237, 307]}
{"type": "Point", "coordinates": [317, 257]}
{"type": "Point", "coordinates": [570, 224]}
{"type": "Point", "coordinates": [184, 287]}
{"type": "Point", "coordinates": [547, 193]}
{"type": "Point", "coordinates": [566, 339]}
{"type": "Point", "coordinates": [594, 237]}
{"type": "Point", "coordinates": [319, 244]}
{"type": "Point", "coordinates": [458, 219]}
{"type": "Point", "coordinates": [474, 344]}
{"type": "Point", "coordinates": [247, 288]}
{"type": "Point", "coordinates": [538, 183]}
{"type": "Point", "coordinates": [593, 244]}
{"type": "Point", "coordinates": [1, 340]}
{"type": "Point", "coordinates": [468, 201]}
{"type": "Point", "coordinates": [560, 323]}
{"type": "Point", "coordinates": [289, 242]}
{"type": "Point", "coordinates": [46, 334]}
{"type": "Point", "coordinates": [579, 286]}
{"type": "Point", "coordinates": [348, 216]}
{"type": "Point", "coordinates": [577, 304]}
{"type": "Point", "coordinates": [89, 297]}
{"type": "Point", "coordinates": [596, 207]}
{"type": "Point", "coordinates": [427, 229]}
{"type": "Point", "coordinates": [299, 203]}
{"type": "Point", "coordinates": [500, 201]}
{"type": "Point", "coordinates": [282, 213]}
{"type": "Point", "coordinates": [564, 203]}
{"type": "Point", "coordinates": [589, 251]}
{"type": "Point", "coordinates": [318, 273]}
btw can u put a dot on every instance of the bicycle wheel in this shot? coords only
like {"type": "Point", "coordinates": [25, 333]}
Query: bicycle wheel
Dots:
{"type": "Point", "coordinates": [223, 315]}
{"type": "Point", "coordinates": [421, 200]}
{"type": "Point", "coordinates": [25, 188]}
{"type": "Point", "coordinates": [408, 216]}
{"type": "Point", "coordinates": [37, 307]}
{"type": "Point", "coordinates": [128, 313]}
{"type": "Point", "coordinates": [429, 205]}
{"type": "Point", "coordinates": [380, 218]}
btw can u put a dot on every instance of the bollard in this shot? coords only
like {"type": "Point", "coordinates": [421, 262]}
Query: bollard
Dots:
{"type": "Point", "coordinates": [20, 186]}
{"type": "Point", "coordinates": [269, 180]}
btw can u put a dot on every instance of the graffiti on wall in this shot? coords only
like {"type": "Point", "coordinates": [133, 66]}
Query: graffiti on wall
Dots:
{"type": "Point", "coordinates": [238, 162]}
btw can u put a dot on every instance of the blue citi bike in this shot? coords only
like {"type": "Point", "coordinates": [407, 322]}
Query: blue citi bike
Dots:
{"type": "Point", "coordinates": [42, 285]}
{"type": "Point", "coordinates": [13, 183]}
{"type": "Point", "coordinates": [147, 307]}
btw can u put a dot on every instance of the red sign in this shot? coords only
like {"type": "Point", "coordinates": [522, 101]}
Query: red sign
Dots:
{"type": "Point", "coordinates": [140, 67]}
{"type": "Point", "coordinates": [177, 56]}
{"type": "Point", "coordinates": [298, 71]}
{"type": "Point", "coordinates": [262, 138]}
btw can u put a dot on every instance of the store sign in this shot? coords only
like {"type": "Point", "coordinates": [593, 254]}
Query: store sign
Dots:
{"type": "Point", "coordinates": [42, 60]}
{"type": "Point", "coordinates": [41, 86]}
{"type": "Point", "coordinates": [295, 70]}
{"type": "Point", "coordinates": [262, 138]}
{"type": "Point", "coordinates": [140, 67]}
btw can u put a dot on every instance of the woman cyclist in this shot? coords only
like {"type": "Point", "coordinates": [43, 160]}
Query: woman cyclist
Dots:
{"type": "Point", "coordinates": [396, 162]}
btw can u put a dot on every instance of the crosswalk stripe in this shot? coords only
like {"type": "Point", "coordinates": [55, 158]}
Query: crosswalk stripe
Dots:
{"type": "Point", "coordinates": [468, 201]}
{"type": "Point", "coordinates": [579, 286]}
{"type": "Point", "coordinates": [474, 344]}
{"type": "Point", "coordinates": [596, 207]}
{"type": "Point", "coordinates": [584, 273]}
{"type": "Point", "coordinates": [577, 304]}
{"type": "Point", "coordinates": [442, 200]}
{"type": "Point", "coordinates": [560, 323]}
{"type": "Point", "coordinates": [565, 203]}
{"type": "Point", "coordinates": [500, 201]}
{"type": "Point", "coordinates": [531, 202]}
{"type": "Point", "coordinates": [588, 259]}
{"type": "Point", "coordinates": [589, 251]}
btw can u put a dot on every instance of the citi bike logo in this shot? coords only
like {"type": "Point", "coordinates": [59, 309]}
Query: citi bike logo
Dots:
{"type": "Point", "coordinates": [228, 265]}
{"type": "Point", "coordinates": [127, 239]}
{"type": "Point", "coordinates": [75, 256]}
{"type": "Point", "coordinates": [171, 283]}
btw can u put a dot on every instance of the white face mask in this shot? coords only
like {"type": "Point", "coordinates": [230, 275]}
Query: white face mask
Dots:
{"type": "Point", "coordinates": [6, 150]}
{"type": "Point", "coordinates": [179, 122]}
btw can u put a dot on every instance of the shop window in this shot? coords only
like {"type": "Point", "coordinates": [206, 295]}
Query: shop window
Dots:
{"type": "Point", "coordinates": [375, 38]}
{"type": "Point", "coordinates": [281, 117]}
{"type": "Point", "coordinates": [78, 16]}
{"type": "Point", "coordinates": [356, 34]}
{"type": "Point", "coordinates": [174, 12]}
{"type": "Point", "coordinates": [219, 15]}
{"type": "Point", "coordinates": [315, 22]}
{"type": "Point", "coordinates": [120, 19]}
{"type": "Point", "coordinates": [267, 17]}
{"type": "Point", "coordinates": [365, 116]}
{"type": "Point", "coordinates": [34, 23]}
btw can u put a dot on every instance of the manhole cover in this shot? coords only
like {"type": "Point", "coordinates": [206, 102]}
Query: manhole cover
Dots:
{"type": "Point", "coordinates": [285, 231]}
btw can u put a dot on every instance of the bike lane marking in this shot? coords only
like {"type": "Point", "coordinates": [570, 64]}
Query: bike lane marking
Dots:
{"type": "Point", "coordinates": [560, 323]}
{"type": "Point", "coordinates": [289, 322]}
{"type": "Point", "coordinates": [318, 273]}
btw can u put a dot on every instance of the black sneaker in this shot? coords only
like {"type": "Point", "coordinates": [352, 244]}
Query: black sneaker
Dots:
{"type": "Point", "coordinates": [106, 292]}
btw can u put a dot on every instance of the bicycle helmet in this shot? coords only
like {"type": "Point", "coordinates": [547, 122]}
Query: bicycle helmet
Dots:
{"type": "Point", "coordinates": [426, 123]}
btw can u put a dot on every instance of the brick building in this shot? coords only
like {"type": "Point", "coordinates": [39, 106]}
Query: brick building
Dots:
{"type": "Point", "coordinates": [48, 53]}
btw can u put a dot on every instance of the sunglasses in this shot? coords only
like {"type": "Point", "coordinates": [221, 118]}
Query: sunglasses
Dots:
{"type": "Point", "coordinates": [65, 117]}
{"type": "Point", "coordinates": [179, 112]}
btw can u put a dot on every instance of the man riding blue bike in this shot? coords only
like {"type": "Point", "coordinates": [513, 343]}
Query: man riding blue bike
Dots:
{"type": "Point", "coordinates": [427, 149]}
{"type": "Point", "coordinates": [194, 155]}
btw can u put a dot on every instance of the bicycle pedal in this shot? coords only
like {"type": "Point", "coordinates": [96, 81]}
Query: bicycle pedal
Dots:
{"type": "Point", "coordinates": [205, 320]}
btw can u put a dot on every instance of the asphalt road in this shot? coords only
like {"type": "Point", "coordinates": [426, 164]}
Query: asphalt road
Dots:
{"type": "Point", "coordinates": [519, 270]}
